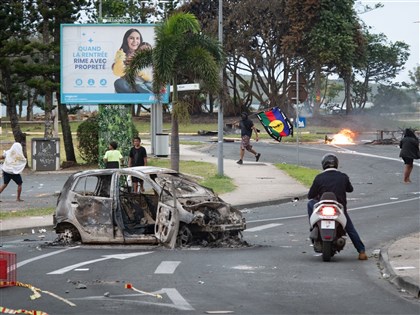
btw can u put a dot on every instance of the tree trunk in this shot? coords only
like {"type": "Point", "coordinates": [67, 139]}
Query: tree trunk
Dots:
{"type": "Point", "coordinates": [18, 135]}
{"type": "Point", "coordinates": [30, 107]}
{"type": "Point", "coordinates": [66, 130]}
{"type": "Point", "coordinates": [347, 85]}
{"type": "Point", "coordinates": [175, 143]}
{"type": "Point", "coordinates": [174, 130]}
{"type": "Point", "coordinates": [48, 132]}
{"type": "Point", "coordinates": [317, 87]}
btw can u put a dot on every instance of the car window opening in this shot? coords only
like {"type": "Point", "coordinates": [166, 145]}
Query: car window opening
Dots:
{"type": "Point", "coordinates": [138, 209]}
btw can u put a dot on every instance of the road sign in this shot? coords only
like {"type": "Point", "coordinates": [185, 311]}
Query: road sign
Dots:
{"type": "Point", "coordinates": [187, 87]}
{"type": "Point", "coordinates": [293, 88]}
{"type": "Point", "coordinates": [301, 123]}
{"type": "Point", "coordinates": [292, 93]}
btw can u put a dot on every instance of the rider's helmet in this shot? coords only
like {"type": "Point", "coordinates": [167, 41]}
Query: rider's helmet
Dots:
{"type": "Point", "coordinates": [329, 161]}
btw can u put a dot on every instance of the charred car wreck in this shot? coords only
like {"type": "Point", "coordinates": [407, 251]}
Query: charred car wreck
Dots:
{"type": "Point", "coordinates": [100, 206]}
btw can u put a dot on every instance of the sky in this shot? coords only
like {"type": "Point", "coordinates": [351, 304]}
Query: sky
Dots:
{"type": "Point", "coordinates": [399, 20]}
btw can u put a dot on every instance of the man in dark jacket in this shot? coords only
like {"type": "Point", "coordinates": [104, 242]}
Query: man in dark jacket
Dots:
{"type": "Point", "coordinates": [332, 180]}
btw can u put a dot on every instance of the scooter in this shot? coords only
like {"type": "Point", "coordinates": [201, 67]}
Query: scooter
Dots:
{"type": "Point", "coordinates": [327, 223]}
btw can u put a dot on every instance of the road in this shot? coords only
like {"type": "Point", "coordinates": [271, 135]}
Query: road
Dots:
{"type": "Point", "coordinates": [277, 274]}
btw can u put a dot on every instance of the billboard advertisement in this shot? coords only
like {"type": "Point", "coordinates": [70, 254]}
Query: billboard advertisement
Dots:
{"type": "Point", "coordinates": [93, 62]}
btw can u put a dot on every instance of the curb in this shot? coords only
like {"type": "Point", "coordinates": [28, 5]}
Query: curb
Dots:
{"type": "Point", "coordinates": [404, 283]}
{"type": "Point", "coordinates": [269, 202]}
{"type": "Point", "coordinates": [24, 231]}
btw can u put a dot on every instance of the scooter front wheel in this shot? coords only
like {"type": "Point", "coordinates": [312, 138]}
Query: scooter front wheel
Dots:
{"type": "Point", "coordinates": [326, 250]}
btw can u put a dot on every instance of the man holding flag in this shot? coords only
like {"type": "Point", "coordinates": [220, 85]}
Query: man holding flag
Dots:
{"type": "Point", "coordinates": [247, 126]}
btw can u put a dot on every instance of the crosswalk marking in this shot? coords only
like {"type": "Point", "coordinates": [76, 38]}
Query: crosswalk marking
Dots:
{"type": "Point", "coordinates": [167, 267]}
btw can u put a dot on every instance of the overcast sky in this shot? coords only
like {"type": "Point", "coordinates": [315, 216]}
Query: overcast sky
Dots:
{"type": "Point", "coordinates": [399, 20]}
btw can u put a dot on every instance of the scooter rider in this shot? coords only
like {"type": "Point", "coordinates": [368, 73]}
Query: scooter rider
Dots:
{"type": "Point", "coordinates": [332, 180]}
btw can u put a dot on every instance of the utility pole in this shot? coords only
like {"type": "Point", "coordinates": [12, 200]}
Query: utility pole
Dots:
{"type": "Point", "coordinates": [220, 111]}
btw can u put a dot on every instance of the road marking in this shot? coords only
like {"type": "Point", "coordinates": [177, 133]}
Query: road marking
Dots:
{"type": "Point", "coordinates": [177, 299]}
{"type": "Point", "coordinates": [404, 268]}
{"type": "Point", "coordinates": [263, 227]}
{"type": "Point", "coordinates": [22, 263]}
{"type": "Point", "coordinates": [178, 302]}
{"type": "Point", "coordinates": [348, 151]}
{"type": "Point", "coordinates": [167, 267]}
{"type": "Point", "coordinates": [352, 209]}
{"type": "Point", "coordinates": [105, 257]}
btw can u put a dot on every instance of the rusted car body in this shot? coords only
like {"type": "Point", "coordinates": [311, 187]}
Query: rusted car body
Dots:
{"type": "Point", "coordinates": [100, 206]}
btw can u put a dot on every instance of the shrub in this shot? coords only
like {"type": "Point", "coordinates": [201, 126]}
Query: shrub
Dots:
{"type": "Point", "coordinates": [88, 138]}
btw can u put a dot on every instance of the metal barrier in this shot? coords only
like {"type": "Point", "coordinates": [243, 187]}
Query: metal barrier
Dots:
{"type": "Point", "coordinates": [7, 269]}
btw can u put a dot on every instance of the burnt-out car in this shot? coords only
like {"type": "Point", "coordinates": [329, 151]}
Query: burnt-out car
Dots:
{"type": "Point", "coordinates": [100, 206]}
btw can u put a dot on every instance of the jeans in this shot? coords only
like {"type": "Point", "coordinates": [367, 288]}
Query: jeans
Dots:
{"type": "Point", "coordinates": [351, 231]}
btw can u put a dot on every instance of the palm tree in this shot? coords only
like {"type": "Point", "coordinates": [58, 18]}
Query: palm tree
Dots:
{"type": "Point", "coordinates": [181, 52]}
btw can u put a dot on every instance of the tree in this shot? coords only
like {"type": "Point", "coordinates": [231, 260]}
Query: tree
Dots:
{"type": "Point", "coordinates": [390, 98]}
{"type": "Point", "coordinates": [181, 50]}
{"type": "Point", "coordinates": [49, 16]}
{"type": "Point", "coordinates": [29, 56]}
{"type": "Point", "coordinates": [381, 63]}
{"type": "Point", "coordinates": [325, 34]}
{"type": "Point", "coordinates": [14, 53]}
{"type": "Point", "coordinates": [415, 78]}
{"type": "Point", "coordinates": [253, 33]}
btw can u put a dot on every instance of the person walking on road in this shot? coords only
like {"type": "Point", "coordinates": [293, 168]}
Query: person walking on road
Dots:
{"type": "Point", "coordinates": [137, 157]}
{"type": "Point", "coordinates": [247, 126]}
{"type": "Point", "coordinates": [332, 180]}
{"type": "Point", "coordinates": [409, 145]}
{"type": "Point", "coordinates": [113, 157]}
{"type": "Point", "coordinates": [14, 164]}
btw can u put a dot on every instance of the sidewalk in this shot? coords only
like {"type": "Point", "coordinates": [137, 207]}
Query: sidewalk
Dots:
{"type": "Point", "coordinates": [401, 263]}
{"type": "Point", "coordinates": [260, 184]}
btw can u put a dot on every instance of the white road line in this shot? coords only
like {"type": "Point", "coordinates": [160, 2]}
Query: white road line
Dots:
{"type": "Point", "coordinates": [105, 257]}
{"type": "Point", "coordinates": [167, 267]}
{"type": "Point", "coordinates": [348, 151]}
{"type": "Point", "coordinates": [352, 209]}
{"type": "Point", "coordinates": [263, 227]}
{"type": "Point", "coordinates": [22, 263]}
{"type": "Point", "coordinates": [178, 302]}
{"type": "Point", "coordinates": [177, 299]}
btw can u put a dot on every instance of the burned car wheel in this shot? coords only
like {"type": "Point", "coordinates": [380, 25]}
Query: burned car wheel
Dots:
{"type": "Point", "coordinates": [69, 234]}
{"type": "Point", "coordinates": [184, 236]}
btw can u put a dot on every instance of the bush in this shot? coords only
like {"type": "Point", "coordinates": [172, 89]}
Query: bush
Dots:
{"type": "Point", "coordinates": [88, 138]}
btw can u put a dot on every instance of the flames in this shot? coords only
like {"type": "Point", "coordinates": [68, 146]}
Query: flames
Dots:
{"type": "Point", "coordinates": [345, 136]}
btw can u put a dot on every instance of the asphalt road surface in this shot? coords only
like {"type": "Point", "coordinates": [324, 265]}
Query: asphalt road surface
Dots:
{"type": "Point", "coordinates": [277, 274]}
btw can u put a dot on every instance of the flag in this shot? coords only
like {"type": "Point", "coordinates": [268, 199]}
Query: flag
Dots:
{"type": "Point", "coordinates": [276, 123]}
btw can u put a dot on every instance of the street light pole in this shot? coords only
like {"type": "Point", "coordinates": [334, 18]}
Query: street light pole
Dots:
{"type": "Point", "coordinates": [220, 111]}
{"type": "Point", "coordinates": [100, 11]}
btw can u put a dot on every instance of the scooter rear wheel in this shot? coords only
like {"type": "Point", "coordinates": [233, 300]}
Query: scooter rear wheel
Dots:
{"type": "Point", "coordinates": [326, 251]}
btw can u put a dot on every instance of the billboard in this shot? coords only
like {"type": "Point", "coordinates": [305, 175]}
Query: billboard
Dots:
{"type": "Point", "coordinates": [93, 61]}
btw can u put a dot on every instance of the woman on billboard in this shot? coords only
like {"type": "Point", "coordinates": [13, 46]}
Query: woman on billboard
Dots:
{"type": "Point", "coordinates": [132, 42]}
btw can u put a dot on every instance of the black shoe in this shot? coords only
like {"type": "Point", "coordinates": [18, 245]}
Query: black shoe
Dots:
{"type": "Point", "coordinates": [257, 156]}
{"type": "Point", "coordinates": [240, 162]}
